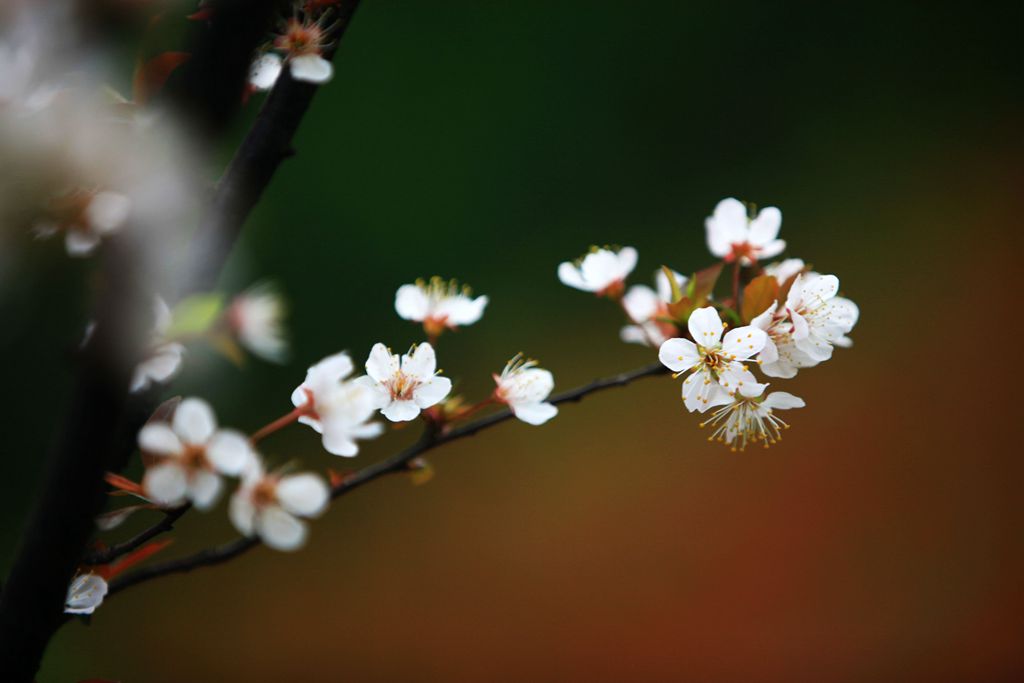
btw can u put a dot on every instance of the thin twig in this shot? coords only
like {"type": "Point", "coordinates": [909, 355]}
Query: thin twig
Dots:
{"type": "Point", "coordinates": [108, 555]}
{"type": "Point", "coordinates": [396, 463]}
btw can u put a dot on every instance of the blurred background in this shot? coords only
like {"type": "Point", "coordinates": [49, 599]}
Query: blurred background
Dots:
{"type": "Point", "coordinates": [489, 141]}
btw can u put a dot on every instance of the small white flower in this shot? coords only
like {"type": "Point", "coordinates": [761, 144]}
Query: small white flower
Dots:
{"type": "Point", "coordinates": [439, 305]}
{"type": "Point", "coordinates": [732, 235]}
{"type": "Point", "coordinates": [303, 42]}
{"type": "Point", "coordinates": [164, 361]}
{"type": "Point", "coordinates": [717, 363]}
{"type": "Point", "coordinates": [783, 271]}
{"type": "Point", "coordinates": [524, 387]}
{"type": "Point", "coordinates": [265, 70]}
{"type": "Point", "coordinates": [257, 318]}
{"type": "Point", "coordinates": [602, 271]}
{"type": "Point", "coordinates": [750, 420]}
{"type": "Point", "coordinates": [644, 307]}
{"type": "Point", "coordinates": [85, 217]}
{"type": "Point", "coordinates": [338, 410]}
{"type": "Point", "coordinates": [271, 506]}
{"type": "Point", "coordinates": [191, 455]}
{"type": "Point", "coordinates": [407, 386]}
{"type": "Point", "coordinates": [85, 594]}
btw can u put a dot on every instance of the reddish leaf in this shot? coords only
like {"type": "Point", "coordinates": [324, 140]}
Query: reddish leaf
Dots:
{"type": "Point", "coordinates": [133, 558]}
{"type": "Point", "coordinates": [124, 484]}
{"type": "Point", "coordinates": [702, 284]}
{"type": "Point", "coordinates": [151, 76]}
{"type": "Point", "coordinates": [758, 295]}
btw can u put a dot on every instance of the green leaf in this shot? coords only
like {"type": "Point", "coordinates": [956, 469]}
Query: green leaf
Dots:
{"type": "Point", "coordinates": [758, 295]}
{"type": "Point", "coordinates": [195, 315]}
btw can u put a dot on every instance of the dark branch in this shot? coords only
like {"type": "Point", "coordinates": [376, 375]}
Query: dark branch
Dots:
{"type": "Point", "coordinates": [397, 463]}
{"type": "Point", "coordinates": [108, 555]}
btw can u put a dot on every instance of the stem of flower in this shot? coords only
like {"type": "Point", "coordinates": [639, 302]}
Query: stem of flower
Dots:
{"type": "Point", "coordinates": [279, 423]}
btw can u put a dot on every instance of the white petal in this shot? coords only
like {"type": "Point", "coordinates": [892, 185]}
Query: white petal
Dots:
{"type": "Point", "coordinates": [769, 354]}
{"type": "Point", "coordinates": [600, 268]}
{"type": "Point", "coordinates": [279, 529]}
{"type": "Point", "coordinates": [421, 363]}
{"type": "Point", "coordinates": [701, 391]}
{"type": "Point", "coordinates": [159, 439]}
{"type": "Point", "coordinates": [338, 440]}
{"type": "Point", "coordinates": [85, 594]}
{"type": "Point", "coordinates": [782, 272]}
{"type": "Point", "coordinates": [79, 243]}
{"type": "Point", "coordinates": [377, 393]}
{"type": "Point", "coordinates": [303, 494]}
{"type": "Point", "coordinates": [194, 421]}
{"type": "Point", "coordinates": [678, 354]}
{"type": "Point", "coordinates": [531, 385]}
{"type": "Point", "coordinates": [204, 489]}
{"type": "Point", "coordinates": [412, 303]}
{"type": "Point", "coordinates": [462, 310]}
{"type": "Point", "coordinates": [641, 303]}
{"type": "Point", "coordinates": [734, 378]}
{"type": "Point", "coordinates": [331, 369]}
{"type": "Point", "coordinates": [665, 287]}
{"type": "Point", "coordinates": [165, 484]}
{"type": "Point", "coordinates": [765, 228]}
{"type": "Point", "coordinates": [633, 334]}
{"type": "Point", "coordinates": [311, 69]}
{"type": "Point", "coordinates": [535, 413]}
{"type": "Point", "coordinates": [570, 275]}
{"type": "Point", "coordinates": [763, 321]}
{"type": "Point", "coordinates": [744, 342]}
{"type": "Point", "coordinates": [242, 512]}
{"type": "Point", "coordinates": [432, 391]}
{"type": "Point", "coordinates": [382, 364]}
{"type": "Point", "coordinates": [265, 71]}
{"type": "Point", "coordinates": [229, 452]}
{"type": "Point", "coordinates": [800, 327]}
{"type": "Point", "coordinates": [781, 400]}
{"type": "Point", "coordinates": [627, 258]}
{"type": "Point", "coordinates": [773, 248]}
{"type": "Point", "coordinates": [107, 211]}
{"type": "Point", "coordinates": [705, 327]}
{"type": "Point", "coordinates": [726, 226]}
{"type": "Point", "coordinates": [401, 411]}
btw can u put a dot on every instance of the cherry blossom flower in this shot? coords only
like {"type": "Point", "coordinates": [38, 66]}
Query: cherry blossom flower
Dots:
{"type": "Point", "coordinates": [85, 594]}
{"type": "Point", "coordinates": [645, 306]}
{"type": "Point", "coordinates": [603, 271]}
{"type": "Point", "coordinates": [85, 217]}
{"type": "Point", "coordinates": [191, 454]}
{"type": "Point", "coordinates": [750, 420]}
{"type": "Point", "coordinates": [439, 305]}
{"type": "Point", "coordinates": [718, 364]}
{"type": "Point", "coordinates": [303, 42]}
{"type": "Point", "coordinates": [164, 361]}
{"type": "Point", "coordinates": [407, 386]}
{"type": "Point", "coordinates": [523, 387]}
{"type": "Point", "coordinates": [257, 318]}
{"type": "Point", "coordinates": [271, 506]}
{"type": "Point", "coordinates": [732, 235]}
{"type": "Point", "coordinates": [265, 70]}
{"type": "Point", "coordinates": [338, 410]}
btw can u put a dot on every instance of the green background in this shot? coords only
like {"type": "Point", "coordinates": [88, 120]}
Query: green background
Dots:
{"type": "Point", "coordinates": [491, 140]}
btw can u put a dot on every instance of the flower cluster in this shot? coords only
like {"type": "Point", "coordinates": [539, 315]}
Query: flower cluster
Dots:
{"type": "Point", "coordinates": [789, 318]}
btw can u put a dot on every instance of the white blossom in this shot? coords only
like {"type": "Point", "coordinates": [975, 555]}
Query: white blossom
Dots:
{"type": "Point", "coordinates": [524, 387]}
{"type": "Point", "coordinates": [645, 306]}
{"type": "Point", "coordinates": [732, 235]}
{"type": "Point", "coordinates": [85, 217]}
{"type": "Point", "coordinates": [265, 70]}
{"type": "Point", "coordinates": [257, 318]}
{"type": "Point", "coordinates": [748, 420]}
{"type": "Point", "coordinates": [718, 364]}
{"type": "Point", "coordinates": [272, 506]}
{"type": "Point", "coordinates": [191, 454]}
{"type": "Point", "coordinates": [784, 270]}
{"type": "Point", "coordinates": [439, 305]}
{"type": "Point", "coordinates": [85, 594]}
{"type": "Point", "coordinates": [602, 270]}
{"type": "Point", "coordinates": [303, 42]}
{"type": "Point", "coordinates": [336, 409]}
{"type": "Point", "coordinates": [405, 386]}
{"type": "Point", "coordinates": [164, 360]}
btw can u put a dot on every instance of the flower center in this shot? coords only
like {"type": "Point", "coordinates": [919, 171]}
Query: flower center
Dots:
{"type": "Point", "coordinates": [265, 492]}
{"type": "Point", "coordinates": [194, 457]}
{"type": "Point", "coordinates": [742, 250]}
{"type": "Point", "coordinates": [711, 359]}
{"type": "Point", "coordinates": [300, 38]}
{"type": "Point", "coordinates": [402, 386]}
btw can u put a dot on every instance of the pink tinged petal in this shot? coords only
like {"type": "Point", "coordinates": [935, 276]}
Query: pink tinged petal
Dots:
{"type": "Point", "coordinates": [765, 228]}
{"type": "Point", "coordinates": [165, 484]}
{"type": "Point", "coordinates": [204, 489]}
{"type": "Point", "coordinates": [781, 400]}
{"type": "Point", "coordinates": [107, 211]}
{"type": "Point", "coordinates": [432, 391]}
{"type": "Point", "coordinates": [535, 413]}
{"type": "Point", "coordinates": [265, 71]}
{"type": "Point", "coordinates": [80, 243]}
{"type": "Point", "coordinates": [401, 411]}
{"type": "Point", "coordinates": [744, 342]}
{"type": "Point", "coordinates": [705, 327]}
{"type": "Point", "coordinates": [570, 275]}
{"type": "Point", "coordinates": [311, 69]}
{"type": "Point", "coordinates": [305, 495]}
{"type": "Point", "coordinates": [641, 303]}
{"type": "Point", "coordinates": [194, 421]}
{"type": "Point", "coordinates": [382, 364]}
{"type": "Point", "coordinates": [678, 355]}
{"type": "Point", "coordinates": [421, 363]}
{"type": "Point", "coordinates": [242, 512]}
{"type": "Point", "coordinates": [229, 452]}
{"type": "Point", "coordinates": [85, 594]}
{"type": "Point", "coordinates": [279, 529]}
{"type": "Point", "coordinates": [158, 438]}
{"type": "Point", "coordinates": [412, 303]}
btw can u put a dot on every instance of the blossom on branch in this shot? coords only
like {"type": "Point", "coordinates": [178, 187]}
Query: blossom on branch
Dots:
{"type": "Point", "coordinates": [302, 41]}
{"type": "Point", "coordinates": [404, 386]}
{"type": "Point", "coordinates": [190, 455]}
{"type": "Point", "coordinates": [337, 409]}
{"type": "Point", "coordinates": [272, 505]}
{"type": "Point", "coordinates": [256, 317]}
{"type": "Point", "coordinates": [648, 308]}
{"type": "Point", "coordinates": [750, 420]}
{"type": "Point", "coordinates": [164, 360]}
{"type": "Point", "coordinates": [439, 305]}
{"type": "Point", "coordinates": [603, 270]}
{"type": "Point", "coordinates": [85, 217]}
{"type": "Point", "coordinates": [85, 594]}
{"type": "Point", "coordinates": [732, 235]}
{"type": "Point", "coordinates": [524, 387]}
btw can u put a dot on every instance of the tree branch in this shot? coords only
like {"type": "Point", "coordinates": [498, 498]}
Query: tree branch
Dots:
{"type": "Point", "coordinates": [431, 439]}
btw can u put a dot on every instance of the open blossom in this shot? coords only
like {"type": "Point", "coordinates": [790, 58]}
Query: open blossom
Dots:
{"type": "Point", "coordinates": [272, 505]}
{"type": "Point", "coordinates": [439, 305]}
{"type": "Point", "coordinates": [302, 41]}
{"type": "Point", "coordinates": [524, 387]}
{"type": "Point", "coordinates": [164, 360]}
{"type": "Point", "coordinates": [85, 594]}
{"type": "Point", "coordinates": [603, 271]}
{"type": "Point", "coordinates": [717, 364]}
{"type": "Point", "coordinates": [85, 217]}
{"type": "Point", "coordinates": [265, 70]}
{"type": "Point", "coordinates": [337, 409]}
{"type": "Point", "coordinates": [405, 386]}
{"type": "Point", "coordinates": [732, 235]}
{"type": "Point", "coordinates": [750, 420]}
{"type": "Point", "coordinates": [257, 318]}
{"type": "Point", "coordinates": [645, 306]}
{"type": "Point", "coordinates": [191, 454]}
{"type": "Point", "coordinates": [813, 321]}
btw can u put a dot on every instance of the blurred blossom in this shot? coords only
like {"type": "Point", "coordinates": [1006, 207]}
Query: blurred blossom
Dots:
{"type": "Point", "coordinates": [603, 271]}
{"type": "Point", "coordinates": [257, 318]}
{"type": "Point", "coordinates": [784, 270]}
{"type": "Point", "coordinates": [164, 360]}
{"type": "Point", "coordinates": [732, 235]}
{"type": "Point", "coordinates": [337, 409]}
{"type": "Point", "coordinates": [524, 387]}
{"type": "Point", "coordinates": [271, 506]}
{"type": "Point", "coordinates": [749, 420]}
{"type": "Point", "coordinates": [646, 308]}
{"type": "Point", "coordinates": [85, 594]}
{"type": "Point", "coordinates": [439, 304]}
